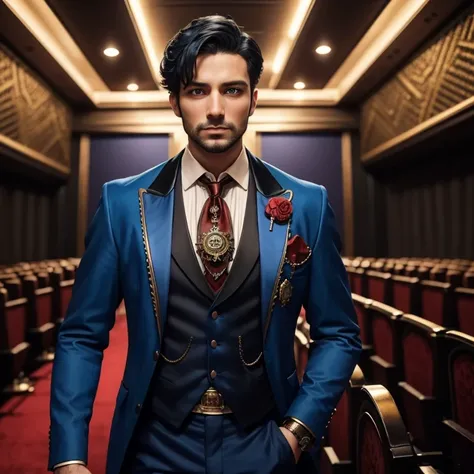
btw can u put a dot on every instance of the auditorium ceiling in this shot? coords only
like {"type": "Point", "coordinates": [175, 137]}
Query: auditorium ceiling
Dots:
{"type": "Point", "coordinates": [64, 41]}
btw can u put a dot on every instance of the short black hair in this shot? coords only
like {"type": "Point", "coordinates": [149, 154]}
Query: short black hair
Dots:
{"type": "Point", "coordinates": [207, 35]}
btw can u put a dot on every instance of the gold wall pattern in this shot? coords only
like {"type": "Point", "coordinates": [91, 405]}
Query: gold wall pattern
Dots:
{"type": "Point", "coordinates": [439, 78]}
{"type": "Point", "coordinates": [30, 113]}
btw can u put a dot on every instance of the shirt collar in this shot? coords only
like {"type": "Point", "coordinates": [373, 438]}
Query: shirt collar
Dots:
{"type": "Point", "coordinates": [192, 170]}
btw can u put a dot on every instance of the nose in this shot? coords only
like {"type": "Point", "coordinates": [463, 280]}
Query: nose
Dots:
{"type": "Point", "coordinates": [215, 107]}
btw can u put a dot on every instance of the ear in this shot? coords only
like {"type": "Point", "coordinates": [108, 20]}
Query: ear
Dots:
{"type": "Point", "coordinates": [174, 105]}
{"type": "Point", "coordinates": [254, 102]}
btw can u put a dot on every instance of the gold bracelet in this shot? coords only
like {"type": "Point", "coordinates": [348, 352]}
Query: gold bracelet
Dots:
{"type": "Point", "coordinates": [304, 437]}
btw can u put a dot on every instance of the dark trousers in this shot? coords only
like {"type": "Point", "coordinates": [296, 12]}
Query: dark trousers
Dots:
{"type": "Point", "coordinates": [211, 445]}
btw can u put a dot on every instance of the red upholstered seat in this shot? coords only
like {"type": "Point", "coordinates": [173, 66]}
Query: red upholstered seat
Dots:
{"type": "Point", "coordinates": [339, 453]}
{"type": "Point", "coordinates": [379, 286]}
{"type": "Point", "coordinates": [362, 306]}
{"type": "Point", "coordinates": [386, 361]}
{"type": "Point", "coordinates": [406, 294]}
{"type": "Point", "coordinates": [464, 300]}
{"type": "Point", "coordinates": [383, 445]}
{"type": "Point", "coordinates": [421, 341]}
{"type": "Point", "coordinates": [458, 377]}
{"type": "Point", "coordinates": [437, 303]}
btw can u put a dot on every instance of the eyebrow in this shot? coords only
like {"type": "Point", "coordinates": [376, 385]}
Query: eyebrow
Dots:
{"type": "Point", "coordinates": [225, 84]}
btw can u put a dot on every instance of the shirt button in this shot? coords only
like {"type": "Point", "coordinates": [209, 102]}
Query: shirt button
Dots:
{"type": "Point", "coordinates": [213, 343]}
{"type": "Point", "coordinates": [213, 374]}
{"type": "Point", "coordinates": [215, 315]}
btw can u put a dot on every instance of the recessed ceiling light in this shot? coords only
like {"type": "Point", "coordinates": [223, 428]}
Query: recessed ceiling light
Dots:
{"type": "Point", "coordinates": [323, 49]}
{"type": "Point", "coordinates": [132, 87]}
{"type": "Point", "coordinates": [299, 85]}
{"type": "Point", "coordinates": [111, 52]}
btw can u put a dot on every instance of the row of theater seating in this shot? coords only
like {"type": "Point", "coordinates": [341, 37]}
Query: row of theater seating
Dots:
{"type": "Point", "coordinates": [33, 301]}
{"type": "Point", "coordinates": [439, 302]}
{"type": "Point", "coordinates": [409, 406]}
{"type": "Point", "coordinates": [456, 272]}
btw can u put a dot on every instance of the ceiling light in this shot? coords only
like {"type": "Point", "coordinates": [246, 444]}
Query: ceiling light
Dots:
{"type": "Point", "coordinates": [132, 87]}
{"type": "Point", "coordinates": [323, 49]}
{"type": "Point", "coordinates": [298, 19]}
{"type": "Point", "coordinates": [299, 85]}
{"type": "Point", "coordinates": [111, 52]}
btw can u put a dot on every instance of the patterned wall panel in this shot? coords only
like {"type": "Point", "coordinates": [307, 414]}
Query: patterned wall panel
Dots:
{"type": "Point", "coordinates": [30, 113]}
{"type": "Point", "coordinates": [439, 78]}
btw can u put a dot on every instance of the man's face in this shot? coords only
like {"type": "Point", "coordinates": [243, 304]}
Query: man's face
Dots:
{"type": "Point", "coordinates": [216, 106]}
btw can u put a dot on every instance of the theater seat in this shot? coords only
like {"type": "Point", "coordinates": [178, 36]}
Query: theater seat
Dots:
{"type": "Point", "coordinates": [339, 453]}
{"type": "Point", "coordinates": [406, 294]}
{"type": "Point", "coordinates": [464, 301]}
{"type": "Point", "coordinates": [13, 346]}
{"type": "Point", "coordinates": [437, 303]}
{"type": "Point", "coordinates": [386, 360]}
{"type": "Point", "coordinates": [458, 378]}
{"type": "Point", "coordinates": [383, 444]}
{"type": "Point", "coordinates": [421, 342]}
{"type": "Point", "coordinates": [379, 286]}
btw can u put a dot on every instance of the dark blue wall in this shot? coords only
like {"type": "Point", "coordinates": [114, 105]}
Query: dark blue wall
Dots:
{"type": "Point", "coordinates": [314, 157]}
{"type": "Point", "coordinates": [113, 157]}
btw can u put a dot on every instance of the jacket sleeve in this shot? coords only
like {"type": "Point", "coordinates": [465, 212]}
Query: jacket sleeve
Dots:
{"type": "Point", "coordinates": [82, 338]}
{"type": "Point", "coordinates": [334, 330]}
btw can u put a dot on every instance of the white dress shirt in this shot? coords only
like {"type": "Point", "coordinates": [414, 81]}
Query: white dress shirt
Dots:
{"type": "Point", "coordinates": [194, 195]}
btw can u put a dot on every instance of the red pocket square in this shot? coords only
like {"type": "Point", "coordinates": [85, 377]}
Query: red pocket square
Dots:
{"type": "Point", "coordinates": [297, 251]}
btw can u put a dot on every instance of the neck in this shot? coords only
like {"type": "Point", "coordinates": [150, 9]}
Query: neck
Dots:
{"type": "Point", "coordinates": [216, 163]}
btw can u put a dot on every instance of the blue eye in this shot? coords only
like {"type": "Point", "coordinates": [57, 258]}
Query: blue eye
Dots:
{"type": "Point", "coordinates": [234, 89]}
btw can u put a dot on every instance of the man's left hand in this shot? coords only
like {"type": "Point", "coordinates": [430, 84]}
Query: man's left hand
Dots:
{"type": "Point", "coordinates": [292, 441]}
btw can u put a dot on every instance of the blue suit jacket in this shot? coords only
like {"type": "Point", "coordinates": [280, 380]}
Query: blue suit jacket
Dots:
{"type": "Point", "coordinates": [128, 251]}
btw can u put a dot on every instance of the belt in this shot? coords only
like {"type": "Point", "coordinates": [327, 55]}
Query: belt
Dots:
{"type": "Point", "coordinates": [212, 403]}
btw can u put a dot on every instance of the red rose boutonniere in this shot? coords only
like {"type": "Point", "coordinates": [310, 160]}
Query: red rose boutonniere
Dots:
{"type": "Point", "coordinates": [279, 209]}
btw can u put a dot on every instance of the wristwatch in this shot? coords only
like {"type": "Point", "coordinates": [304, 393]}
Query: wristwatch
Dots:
{"type": "Point", "coordinates": [304, 437]}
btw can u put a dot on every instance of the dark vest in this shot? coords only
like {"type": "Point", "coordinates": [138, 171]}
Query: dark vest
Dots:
{"type": "Point", "coordinates": [194, 311]}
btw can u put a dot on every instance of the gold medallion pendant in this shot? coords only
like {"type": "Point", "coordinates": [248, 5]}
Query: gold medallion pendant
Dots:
{"type": "Point", "coordinates": [216, 246]}
{"type": "Point", "coordinates": [285, 293]}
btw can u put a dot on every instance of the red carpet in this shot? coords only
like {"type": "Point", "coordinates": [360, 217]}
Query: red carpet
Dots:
{"type": "Point", "coordinates": [24, 421]}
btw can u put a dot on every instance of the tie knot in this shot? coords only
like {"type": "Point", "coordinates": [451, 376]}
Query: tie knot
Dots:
{"type": "Point", "coordinates": [215, 188]}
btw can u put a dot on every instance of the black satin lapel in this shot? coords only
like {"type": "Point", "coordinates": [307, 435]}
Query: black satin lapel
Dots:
{"type": "Point", "coordinates": [247, 251]}
{"type": "Point", "coordinates": [265, 182]}
{"type": "Point", "coordinates": [182, 249]}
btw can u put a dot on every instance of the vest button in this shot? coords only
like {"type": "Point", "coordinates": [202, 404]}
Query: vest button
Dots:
{"type": "Point", "coordinates": [138, 408]}
{"type": "Point", "coordinates": [213, 374]}
{"type": "Point", "coordinates": [156, 355]}
{"type": "Point", "coordinates": [213, 343]}
{"type": "Point", "coordinates": [215, 315]}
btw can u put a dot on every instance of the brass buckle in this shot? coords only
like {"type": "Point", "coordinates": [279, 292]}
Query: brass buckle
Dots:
{"type": "Point", "coordinates": [212, 403]}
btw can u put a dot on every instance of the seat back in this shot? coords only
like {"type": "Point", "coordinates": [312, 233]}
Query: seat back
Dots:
{"type": "Point", "coordinates": [464, 302]}
{"type": "Point", "coordinates": [361, 306]}
{"type": "Point", "coordinates": [458, 374]}
{"type": "Point", "coordinates": [406, 294]}
{"type": "Point", "coordinates": [379, 286]}
{"type": "Point", "coordinates": [421, 342]}
{"type": "Point", "coordinates": [437, 303]}
{"type": "Point", "coordinates": [357, 281]}
{"type": "Point", "coordinates": [383, 445]}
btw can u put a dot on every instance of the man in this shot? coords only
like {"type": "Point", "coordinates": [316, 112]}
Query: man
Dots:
{"type": "Point", "coordinates": [214, 252]}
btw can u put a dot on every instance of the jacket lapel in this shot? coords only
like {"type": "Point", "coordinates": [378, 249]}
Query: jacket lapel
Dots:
{"type": "Point", "coordinates": [156, 218]}
{"type": "Point", "coordinates": [272, 244]}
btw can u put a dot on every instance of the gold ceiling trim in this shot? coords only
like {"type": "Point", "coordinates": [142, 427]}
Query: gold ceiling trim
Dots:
{"type": "Point", "coordinates": [43, 24]}
{"type": "Point", "coordinates": [417, 130]}
{"type": "Point", "coordinates": [40, 20]}
{"type": "Point", "coordinates": [393, 20]}
{"type": "Point", "coordinates": [33, 155]}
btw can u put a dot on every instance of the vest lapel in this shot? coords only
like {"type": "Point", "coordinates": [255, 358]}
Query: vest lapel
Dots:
{"type": "Point", "coordinates": [247, 251]}
{"type": "Point", "coordinates": [182, 250]}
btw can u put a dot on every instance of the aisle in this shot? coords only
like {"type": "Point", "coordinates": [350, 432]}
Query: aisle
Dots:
{"type": "Point", "coordinates": [24, 421]}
